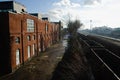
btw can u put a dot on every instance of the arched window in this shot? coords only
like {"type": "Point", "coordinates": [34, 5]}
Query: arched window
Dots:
{"type": "Point", "coordinates": [28, 38]}
{"type": "Point", "coordinates": [33, 37]}
{"type": "Point", "coordinates": [17, 40]}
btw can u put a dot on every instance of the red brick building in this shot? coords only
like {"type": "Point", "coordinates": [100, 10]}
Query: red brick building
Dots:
{"type": "Point", "coordinates": [22, 37]}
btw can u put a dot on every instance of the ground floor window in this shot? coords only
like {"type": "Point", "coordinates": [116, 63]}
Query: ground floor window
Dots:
{"type": "Point", "coordinates": [43, 47]}
{"type": "Point", "coordinates": [29, 51]}
{"type": "Point", "coordinates": [17, 56]}
{"type": "Point", "coordinates": [39, 47]}
{"type": "Point", "coordinates": [33, 49]}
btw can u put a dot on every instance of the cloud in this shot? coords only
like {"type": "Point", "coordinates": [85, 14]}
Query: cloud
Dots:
{"type": "Point", "coordinates": [91, 2]}
{"type": "Point", "coordinates": [62, 3]}
{"type": "Point", "coordinates": [66, 3]}
{"type": "Point", "coordinates": [57, 14]}
{"type": "Point", "coordinates": [66, 9]}
{"type": "Point", "coordinates": [62, 10]}
{"type": "Point", "coordinates": [107, 13]}
{"type": "Point", "coordinates": [101, 12]}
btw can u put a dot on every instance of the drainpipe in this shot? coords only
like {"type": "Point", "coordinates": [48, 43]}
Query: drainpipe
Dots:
{"type": "Point", "coordinates": [37, 41]}
{"type": "Point", "coordinates": [22, 41]}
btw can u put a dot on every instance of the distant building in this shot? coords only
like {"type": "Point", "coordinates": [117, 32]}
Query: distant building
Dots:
{"type": "Point", "coordinates": [23, 36]}
{"type": "Point", "coordinates": [37, 15]}
{"type": "Point", "coordinates": [12, 6]}
{"type": "Point", "coordinates": [60, 28]}
{"type": "Point", "coordinates": [45, 18]}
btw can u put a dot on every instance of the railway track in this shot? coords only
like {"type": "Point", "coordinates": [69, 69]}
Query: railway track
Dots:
{"type": "Point", "coordinates": [103, 55]}
{"type": "Point", "coordinates": [111, 44]}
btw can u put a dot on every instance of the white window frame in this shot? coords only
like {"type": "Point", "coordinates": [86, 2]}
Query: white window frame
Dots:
{"type": "Point", "coordinates": [46, 28]}
{"type": "Point", "coordinates": [30, 25]}
{"type": "Point", "coordinates": [17, 56]}
{"type": "Point", "coordinates": [29, 50]}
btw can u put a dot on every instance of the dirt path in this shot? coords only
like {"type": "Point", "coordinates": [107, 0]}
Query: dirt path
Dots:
{"type": "Point", "coordinates": [40, 67]}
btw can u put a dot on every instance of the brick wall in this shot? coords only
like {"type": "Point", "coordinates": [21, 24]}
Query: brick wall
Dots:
{"type": "Point", "coordinates": [18, 44]}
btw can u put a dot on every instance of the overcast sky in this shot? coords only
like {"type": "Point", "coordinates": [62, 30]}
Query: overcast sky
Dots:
{"type": "Point", "coordinates": [101, 12]}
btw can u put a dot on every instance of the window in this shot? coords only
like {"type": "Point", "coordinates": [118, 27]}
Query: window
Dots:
{"type": "Point", "coordinates": [30, 25]}
{"type": "Point", "coordinates": [46, 28]}
{"type": "Point", "coordinates": [33, 37]}
{"type": "Point", "coordinates": [29, 49]}
{"type": "Point", "coordinates": [53, 27]}
{"type": "Point", "coordinates": [17, 56]}
{"type": "Point", "coordinates": [39, 47]}
{"type": "Point", "coordinates": [56, 27]}
{"type": "Point", "coordinates": [39, 36]}
{"type": "Point", "coordinates": [28, 38]}
{"type": "Point", "coordinates": [17, 40]}
{"type": "Point", "coordinates": [33, 49]}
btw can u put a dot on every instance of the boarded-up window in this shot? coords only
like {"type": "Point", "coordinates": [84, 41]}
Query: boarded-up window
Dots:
{"type": "Point", "coordinates": [17, 56]}
{"type": "Point", "coordinates": [29, 49]}
{"type": "Point", "coordinates": [33, 49]}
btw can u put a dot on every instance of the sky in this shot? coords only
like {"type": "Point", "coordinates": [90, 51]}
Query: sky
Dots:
{"type": "Point", "coordinates": [89, 12]}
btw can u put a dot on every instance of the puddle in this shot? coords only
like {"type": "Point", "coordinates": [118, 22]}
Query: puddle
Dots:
{"type": "Point", "coordinates": [45, 56]}
{"type": "Point", "coordinates": [59, 57]}
{"type": "Point", "coordinates": [64, 43]}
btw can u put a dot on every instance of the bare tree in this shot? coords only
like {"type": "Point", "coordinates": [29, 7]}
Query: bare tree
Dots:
{"type": "Point", "coordinates": [73, 26]}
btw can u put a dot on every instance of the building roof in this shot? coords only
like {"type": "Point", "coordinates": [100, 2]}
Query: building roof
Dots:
{"type": "Point", "coordinates": [12, 1]}
{"type": "Point", "coordinates": [12, 6]}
